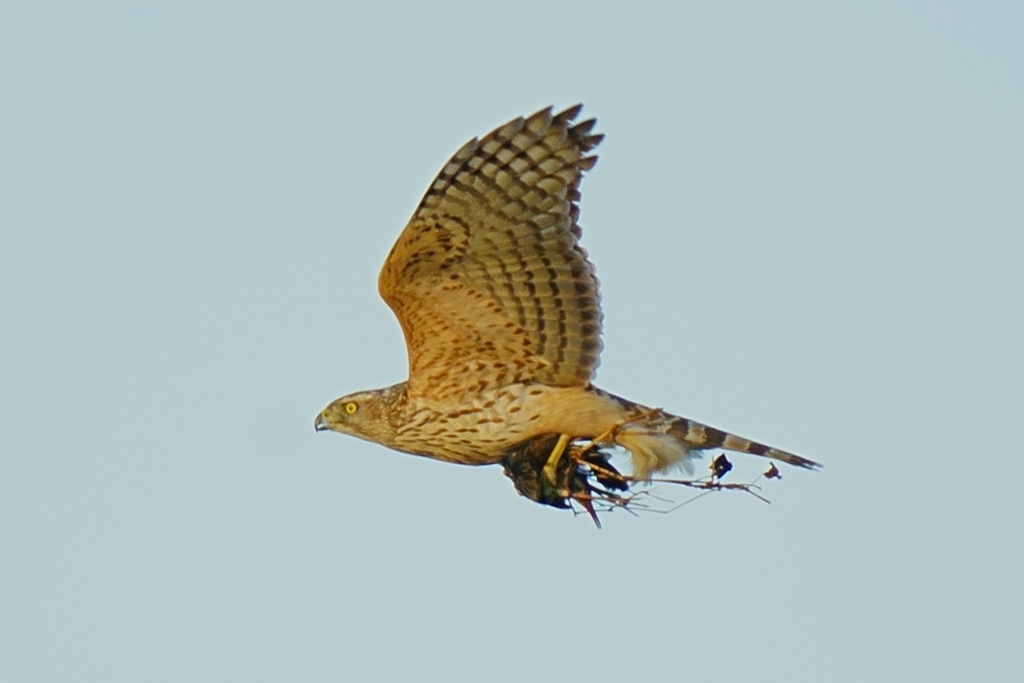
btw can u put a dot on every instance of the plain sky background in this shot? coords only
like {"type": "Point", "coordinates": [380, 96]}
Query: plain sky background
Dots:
{"type": "Point", "coordinates": [808, 221]}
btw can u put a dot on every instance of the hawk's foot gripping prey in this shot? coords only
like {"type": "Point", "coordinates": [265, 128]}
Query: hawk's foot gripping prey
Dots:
{"type": "Point", "coordinates": [500, 310]}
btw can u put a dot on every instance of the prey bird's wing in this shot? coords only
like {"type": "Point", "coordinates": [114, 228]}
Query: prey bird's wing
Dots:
{"type": "Point", "coordinates": [488, 280]}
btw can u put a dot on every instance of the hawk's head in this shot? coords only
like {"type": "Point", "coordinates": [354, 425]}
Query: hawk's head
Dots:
{"type": "Point", "coordinates": [363, 414]}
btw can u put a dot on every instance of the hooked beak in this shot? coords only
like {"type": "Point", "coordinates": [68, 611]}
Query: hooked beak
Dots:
{"type": "Point", "coordinates": [319, 424]}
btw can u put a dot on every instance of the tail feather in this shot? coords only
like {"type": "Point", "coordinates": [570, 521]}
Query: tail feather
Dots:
{"type": "Point", "coordinates": [698, 436]}
{"type": "Point", "coordinates": [659, 441]}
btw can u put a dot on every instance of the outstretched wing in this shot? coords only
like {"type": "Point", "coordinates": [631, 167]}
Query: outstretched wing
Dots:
{"type": "Point", "coordinates": [488, 280]}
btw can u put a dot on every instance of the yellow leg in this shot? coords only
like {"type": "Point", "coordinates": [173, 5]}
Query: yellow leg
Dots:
{"type": "Point", "coordinates": [551, 466]}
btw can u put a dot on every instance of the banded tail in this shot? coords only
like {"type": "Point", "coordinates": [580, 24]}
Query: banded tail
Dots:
{"type": "Point", "coordinates": [699, 437]}
{"type": "Point", "coordinates": [659, 441]}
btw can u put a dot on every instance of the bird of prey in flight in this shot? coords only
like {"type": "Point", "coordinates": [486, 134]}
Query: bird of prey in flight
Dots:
{"type": "Point", "coordinates": [500, 310]}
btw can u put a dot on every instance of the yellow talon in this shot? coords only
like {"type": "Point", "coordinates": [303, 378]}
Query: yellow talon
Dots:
{"type": "Point", "coordinates": [551, 466]}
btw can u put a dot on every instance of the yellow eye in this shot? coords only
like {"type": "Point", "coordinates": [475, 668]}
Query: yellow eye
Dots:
{"type": "Point", "coordinates": [351, 408]}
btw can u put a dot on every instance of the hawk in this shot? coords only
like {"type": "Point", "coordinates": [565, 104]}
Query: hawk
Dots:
{"type": "Point", "coordinates": [500, 310]}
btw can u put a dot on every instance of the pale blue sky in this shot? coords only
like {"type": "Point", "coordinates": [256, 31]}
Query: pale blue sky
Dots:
{"type": "Point", "coordinates": [808, 221]}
